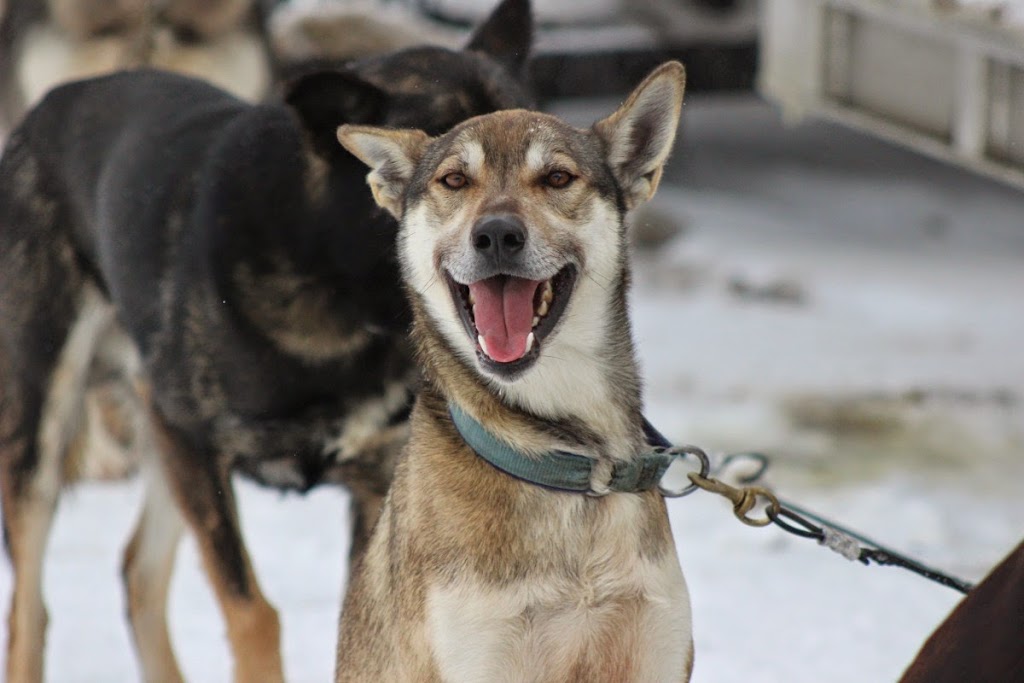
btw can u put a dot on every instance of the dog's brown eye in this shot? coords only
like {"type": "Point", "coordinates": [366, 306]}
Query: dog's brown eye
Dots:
{"type": "Point", "coordinates": [454, 181]}
{"type": "Point", "coordinates": [558, 179]}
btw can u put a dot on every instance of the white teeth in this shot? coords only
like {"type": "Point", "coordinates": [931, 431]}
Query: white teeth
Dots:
{"type": "Point", "coordinates": [536, 320]}
{"type": "Point", "coordinates": [542, 310]}
{"type": "Point", "coordinates": [471, 300]}
{"type": "Point", "coordinates": [529, 344]}
{"type": "Point", "coordinates": [474, 312]}
{"type": "Point", "coordinates": [483, 344]}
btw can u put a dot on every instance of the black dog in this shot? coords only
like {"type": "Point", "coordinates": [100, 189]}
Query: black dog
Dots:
{"type": "Point", "coordinates": [235, 252]}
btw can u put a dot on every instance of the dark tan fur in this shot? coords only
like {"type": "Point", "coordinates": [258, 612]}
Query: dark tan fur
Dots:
{"type": "Point", "coordinates": [208, 18]}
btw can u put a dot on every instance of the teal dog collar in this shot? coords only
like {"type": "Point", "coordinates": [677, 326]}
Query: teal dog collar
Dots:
{"type": "Point", "coordinates": [560, 470]}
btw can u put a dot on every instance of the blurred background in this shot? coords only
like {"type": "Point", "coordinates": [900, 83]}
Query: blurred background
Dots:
{"type": "Point", "coordinates": [832, 273]}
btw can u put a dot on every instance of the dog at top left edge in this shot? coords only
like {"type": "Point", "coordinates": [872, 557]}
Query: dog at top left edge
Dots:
{"type": "Point", "coordinates": [44, 43]}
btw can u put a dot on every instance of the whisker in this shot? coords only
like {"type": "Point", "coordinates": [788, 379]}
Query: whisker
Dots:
{"type": "Point", "coordinates": [591, 277]}
{"type": "Point", "coordinates": [429, 284]}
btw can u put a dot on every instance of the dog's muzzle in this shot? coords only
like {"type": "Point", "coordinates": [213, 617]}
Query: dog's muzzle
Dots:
{"type": "Point", "coordinates": [509, 300]}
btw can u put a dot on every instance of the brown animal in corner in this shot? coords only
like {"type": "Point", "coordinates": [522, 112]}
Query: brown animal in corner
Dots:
{"type": "Point", "coordinates": [512, 244]}
{"type": "Point", "coordinates": [982, 640]}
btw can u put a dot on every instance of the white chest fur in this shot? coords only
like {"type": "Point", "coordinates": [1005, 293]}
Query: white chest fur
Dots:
{"type": "Point", "coordinates": [620, 617]}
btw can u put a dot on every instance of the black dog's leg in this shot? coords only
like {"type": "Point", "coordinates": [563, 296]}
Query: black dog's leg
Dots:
{"type": "Point", "coordinates": [148, 567]}
{"type": "Point", "coordinates": [51, 319]}
{"type": "Point", "coordinates": [27, 518]}
{"type": "Point", "coordinates": [202, 489]}
{"type": "Point", "coordinates": [41, 410]}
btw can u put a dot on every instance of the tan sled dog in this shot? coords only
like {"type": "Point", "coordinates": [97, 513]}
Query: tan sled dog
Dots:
{"type": "Point", "coordinates": [523, 538]}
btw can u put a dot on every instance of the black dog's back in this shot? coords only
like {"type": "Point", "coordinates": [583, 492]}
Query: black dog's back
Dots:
{"type": "Point", "coordinates": [179, 200]}
{"type": "Point", "coordinates": [132, 150]}
{"type": "Point", "coordinates": [118, 155]}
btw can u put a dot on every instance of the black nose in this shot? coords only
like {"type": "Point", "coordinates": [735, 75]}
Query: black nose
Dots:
{"type": "Point", "coordinates": [499, 237]}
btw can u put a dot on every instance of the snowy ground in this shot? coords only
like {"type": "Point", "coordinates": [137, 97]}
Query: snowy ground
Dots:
{"type": "Point", "coordinates": [848, 307]}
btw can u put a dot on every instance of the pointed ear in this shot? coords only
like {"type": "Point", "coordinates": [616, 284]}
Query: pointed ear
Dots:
{"type": "Point", "coordinates": [325, 100]}
{"type": "Point", "coordinates": [392, 156]}
{"type": "Point", "coordinates": [638, 137]}
{"type": "Point", "coordinates": [507, 35]}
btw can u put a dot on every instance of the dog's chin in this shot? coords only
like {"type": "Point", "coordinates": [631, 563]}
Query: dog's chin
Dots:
{"type": "Point", "coordinates": [526, 312]}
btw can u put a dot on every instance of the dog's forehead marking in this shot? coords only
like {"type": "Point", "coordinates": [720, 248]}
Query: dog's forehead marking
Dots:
{"type": "Point", "coordinates": [511, 139]}
{"type": "Point", "coordinates": [537, 155]}
{"type": "Point", "coordinates": [542, 154]}
{"type": "Point", "coordinates": [470, 154]}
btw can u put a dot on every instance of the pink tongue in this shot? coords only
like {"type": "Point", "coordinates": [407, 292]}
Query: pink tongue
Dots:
{"type": "Point", "coordinates": [504, 315]}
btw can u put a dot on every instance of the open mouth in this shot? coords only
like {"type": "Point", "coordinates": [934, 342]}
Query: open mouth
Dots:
{"type": "Point", "coordinates": [509, 317]}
